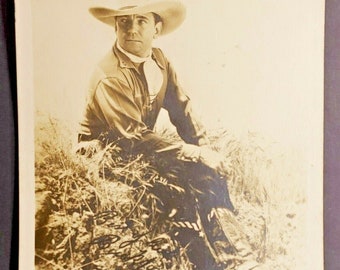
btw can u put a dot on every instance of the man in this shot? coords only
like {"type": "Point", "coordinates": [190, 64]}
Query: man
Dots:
{"type": "Point", "coordinates": [128, 89]}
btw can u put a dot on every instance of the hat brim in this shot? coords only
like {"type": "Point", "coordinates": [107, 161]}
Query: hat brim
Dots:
{"type": "Point", "coordinates": [172, 13]}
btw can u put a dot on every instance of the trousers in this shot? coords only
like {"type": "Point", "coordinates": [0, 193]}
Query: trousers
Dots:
{"type": "Point", "coordinates": [191, 210]}
{"type": "Point", "coordinates": [190, 206]}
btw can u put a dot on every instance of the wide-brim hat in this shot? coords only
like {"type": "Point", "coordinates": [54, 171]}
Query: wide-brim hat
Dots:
{"type": "Point", "coordinates": [172, 12]}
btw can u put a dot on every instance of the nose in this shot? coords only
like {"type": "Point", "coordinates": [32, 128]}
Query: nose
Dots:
{"type": "Point", "coordinates": [132, 27]}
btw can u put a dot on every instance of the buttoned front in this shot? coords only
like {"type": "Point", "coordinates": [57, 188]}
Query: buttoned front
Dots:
{"type": "Point", "coordinates": [119, 103]}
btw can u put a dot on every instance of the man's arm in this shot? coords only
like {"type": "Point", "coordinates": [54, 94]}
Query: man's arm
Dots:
{"type": "Point", "coordinates": [114, 104]}
{"type": "Point", "coordinates": [190, 129]}
{"type": "Point", "coordinates": [178, 104]}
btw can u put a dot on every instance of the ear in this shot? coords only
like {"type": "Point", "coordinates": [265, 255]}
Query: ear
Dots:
{"type": "Point", "coordinates": [116, 24]}
{"type": "Point", "coordinates": [158, 28]}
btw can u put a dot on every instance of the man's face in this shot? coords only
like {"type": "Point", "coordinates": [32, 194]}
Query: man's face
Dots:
{"type": "Point", "coordinates": [135, 33]}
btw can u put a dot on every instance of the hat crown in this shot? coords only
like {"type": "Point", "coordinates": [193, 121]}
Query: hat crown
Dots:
{"type": "Point", "coordinates": [172, 12]}
{"type": "Point", "coordinates": [127, 4]}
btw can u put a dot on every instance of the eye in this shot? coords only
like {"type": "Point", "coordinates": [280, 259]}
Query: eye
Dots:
{"type": "Point", "coordinates": [142, 21]}
{"type": "Point", "coordinates": [122, 20]}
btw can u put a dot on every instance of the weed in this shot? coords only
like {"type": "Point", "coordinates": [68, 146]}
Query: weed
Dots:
{"type": "Point", "coordinates": [101, 213]}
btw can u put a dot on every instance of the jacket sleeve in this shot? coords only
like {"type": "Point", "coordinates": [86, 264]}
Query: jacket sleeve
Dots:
{"type": "Point", "coordinates": [178, 104]}
{"type": "Point", "coordinates": [114, 104]}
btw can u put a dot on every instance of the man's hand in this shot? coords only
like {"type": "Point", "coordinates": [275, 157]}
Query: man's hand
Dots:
{"type": "Point", "coordinates": [189, 152]}
{"type": "Point", "coordinates": [88, 148]}
{"type": "Point", "coordinates": [205, 155]}
{"type": "Point", "coordinates": [215, 160]}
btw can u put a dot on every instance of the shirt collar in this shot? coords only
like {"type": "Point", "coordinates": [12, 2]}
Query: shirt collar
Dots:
{"type": "Point", "coordinates": [134, 58]}
{"type": "Point", "coordinates": [127, 59]}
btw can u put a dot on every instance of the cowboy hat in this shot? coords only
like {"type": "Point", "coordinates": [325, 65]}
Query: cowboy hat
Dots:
{"type": "Point", "coordinates": [172, 12]}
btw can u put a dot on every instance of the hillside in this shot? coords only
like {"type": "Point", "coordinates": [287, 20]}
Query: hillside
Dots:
{"type": "Point", "coordinates": [100, 212]}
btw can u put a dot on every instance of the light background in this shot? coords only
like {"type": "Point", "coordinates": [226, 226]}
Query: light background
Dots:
{"type": "Point", "coordinates": [248, 65]}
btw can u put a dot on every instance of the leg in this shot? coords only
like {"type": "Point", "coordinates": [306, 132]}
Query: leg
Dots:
{"type": "Point", "coordinates": [197, 250]}
{"type": "Point", "coordinates": [205, 190]}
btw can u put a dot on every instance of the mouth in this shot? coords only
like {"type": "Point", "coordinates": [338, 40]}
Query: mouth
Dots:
{"type": "Point", "coordinates": [133, 40]}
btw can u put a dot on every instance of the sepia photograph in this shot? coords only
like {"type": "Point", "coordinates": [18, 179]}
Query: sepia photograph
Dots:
{"type": "Point", "coordinates": [170, 134]}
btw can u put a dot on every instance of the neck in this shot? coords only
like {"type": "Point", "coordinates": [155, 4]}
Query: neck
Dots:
{"type": "Point", "coordinates": [132, 57]}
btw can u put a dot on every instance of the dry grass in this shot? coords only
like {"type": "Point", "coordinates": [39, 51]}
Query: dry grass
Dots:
{"type": "Point", "coordinates": [268, 187]}
{"type": "Point", "coordinates": [81, 201]}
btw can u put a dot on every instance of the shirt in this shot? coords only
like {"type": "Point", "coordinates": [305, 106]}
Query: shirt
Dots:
{"type": "Point", "coordinates": [119, 104]}
{"type": "Point", "coordinates": [152, 72]}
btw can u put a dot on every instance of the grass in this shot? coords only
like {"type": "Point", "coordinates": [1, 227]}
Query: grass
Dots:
{"type": "Point", "coordinates": [96, 212]}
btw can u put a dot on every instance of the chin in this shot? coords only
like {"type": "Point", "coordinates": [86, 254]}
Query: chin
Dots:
{"type": "Point", "coordinates": [134, 49]}
{"type": "Point", "coordinates": [137, 53]}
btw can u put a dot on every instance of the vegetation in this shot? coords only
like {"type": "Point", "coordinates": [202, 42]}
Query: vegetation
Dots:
{"type": "Point", "coordinates": [101, 213]}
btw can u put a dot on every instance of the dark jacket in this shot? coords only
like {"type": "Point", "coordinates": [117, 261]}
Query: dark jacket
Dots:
{"type": "Point", "coordinates": [119, 105]}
